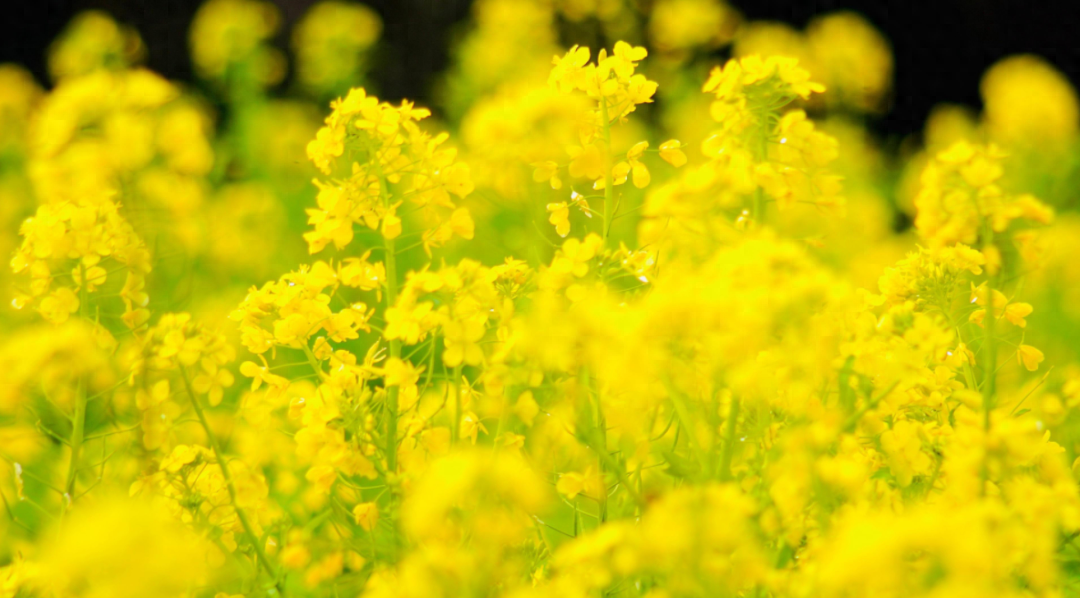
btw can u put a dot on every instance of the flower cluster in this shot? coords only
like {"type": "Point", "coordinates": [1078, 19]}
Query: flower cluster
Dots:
{"type": "Point", "coordinates": [383, 157]}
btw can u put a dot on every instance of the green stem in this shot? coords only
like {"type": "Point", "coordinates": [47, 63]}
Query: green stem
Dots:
{"type": "Point", "coordinates": [969, 374]}
{"type": "Point", "coordinates": [686, 423]}
{"type": "Point", "coordinates": [395, 353]}
{"type": "Point", "coordinates": [757, 207]}
{"type": "Point", "coordinates": [729, 440]}
{"type": "Point", "coordinates": [989, 382]}
{"type": "Point", "coordinates": [78, 426]}
{"type": "Point", "coordinates": [313, 361]}
{"type": "Point", "coordinates": [849, 425]}
{"type": "Point", "coordinates": [392, 394]}
{"type": "Point", "coordinates": [230, 485]}
{"type": "Point", "coordinates": [989, 349]}
{"type": "Point", "coordinates": [609, 185]}
{"type": "Point", "coordinates": [78, 434]}
{"type": "Point", "coordinates": [601, 444]}
{"type": "Point", "coordinates": [455, 387]}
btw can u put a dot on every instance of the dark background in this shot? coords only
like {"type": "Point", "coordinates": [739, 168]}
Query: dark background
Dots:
{"type": "Point", "coordinates": [941, 48]}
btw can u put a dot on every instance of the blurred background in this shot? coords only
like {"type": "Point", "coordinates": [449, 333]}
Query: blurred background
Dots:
{"type": "Point", "coordinates": [941, 49]}
{"type": "Point", "coordinates": [215, 177]}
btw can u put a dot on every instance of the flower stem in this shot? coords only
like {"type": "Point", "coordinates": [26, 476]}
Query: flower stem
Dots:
{"type": "Point", "coordinates": [757, 207]}
{"type": "Point", "coordinates": [989, 382]}
{"type": "Point", "coordinates": [455, 387]}
{"type": "Point", "coordinates": [729, 439]}
{"type": "Point", "coordinates": [78, 433]}
{"type": "Point", "coordinates": [395, 353]}
{"type": "Point", "coordinates": [230, 485]}
{"type": "Point", "coordinates": [390, 447]}
{"type": "Point", "coordinates": [78, 425]}
{"type": "Point", "coordinates": [989, 350]}
{"type": "Point", "coordinates": [609, 186]}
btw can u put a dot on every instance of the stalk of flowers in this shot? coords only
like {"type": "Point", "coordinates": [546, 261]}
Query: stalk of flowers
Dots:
{"type": "Point", "coordinates": [761, 154]}
{"type": "Point", "coordinates": [364, 418]}
{"type": "Point", "coordinates": [610, 82]}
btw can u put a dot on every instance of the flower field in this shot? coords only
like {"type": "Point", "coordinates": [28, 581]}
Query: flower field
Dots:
{"type": "Point", "coordinates": [639, 306]}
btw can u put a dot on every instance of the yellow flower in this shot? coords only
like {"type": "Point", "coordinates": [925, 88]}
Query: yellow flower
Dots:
{"type": "Point", "coordinates": [361, 274]}
{"type": "Point", "coordinates": [181, 455]}
{"type": "Point", "coordinates": [1016, 312]}
{"type": "Point", "coordinates": [573, 483]}
{"type": "Point", "coordinates": [547, 171]}
{"type": "Point", "coordinates": [587, 162]}
{"type": "Point", "coordinates": [366, 515]}
{"type": "Point", "coordinates": [625, 52]}
{"type": "Point", "coordinates": [575, 255]}
{"type": "Point", "coordinates": [461, 223]}
{"type": "Point", "coordinates": [641, 174]}
{"type": "Point", "coordinates": [260, 374]}
{"type": "Point", "coordinates": [471, 426]}
{"type": "Point", "coordinates": [401, 373]}
{"type": "Point", "coordinates": [322, 476]}
{"type": "Point", "coordinates": [671, 152]}
{"type": "Point", "coordinates": [391, 226]}
{"type": "Point", "coordinates": [568, 73]}
{"type": "Point", "coordinates": [59, 305]}
{"type": "Point", "coordinates": [408, 322]}
{"type": "Point", "coordinates": [461, 338]}
{"type": "Point", "coordinates": [1029, 357]}
{"type": "Point", "coordinates": [560, 217]}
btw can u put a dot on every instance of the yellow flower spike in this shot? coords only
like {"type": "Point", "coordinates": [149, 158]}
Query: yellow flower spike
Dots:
{"type": "Point", "coordinates": [1029, 357]}
{"type": "Point", "coordinates": [671, 152]}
